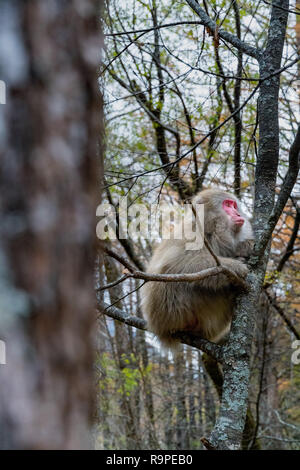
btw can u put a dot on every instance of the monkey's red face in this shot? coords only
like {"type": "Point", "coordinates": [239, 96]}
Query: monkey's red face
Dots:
{"type": "Point", "coordinates": [231, 209]}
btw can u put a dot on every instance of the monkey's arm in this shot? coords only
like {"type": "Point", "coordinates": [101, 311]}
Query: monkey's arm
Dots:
{"type": "Point", "coordinates": [221, 281]}
{"type": "Point", "coordinates": [191, 262]}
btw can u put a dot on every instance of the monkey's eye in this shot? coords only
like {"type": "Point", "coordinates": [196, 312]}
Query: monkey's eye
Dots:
{"type": "Point", "coordinates": [230, 203]}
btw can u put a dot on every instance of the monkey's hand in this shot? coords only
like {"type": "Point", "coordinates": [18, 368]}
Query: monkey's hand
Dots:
{"type": "Point", "coordinates": [244, 250]}
{"type": "Point", "coordinates": [222, 280]}
{"type": "Point", "coordinates": [235, 265]}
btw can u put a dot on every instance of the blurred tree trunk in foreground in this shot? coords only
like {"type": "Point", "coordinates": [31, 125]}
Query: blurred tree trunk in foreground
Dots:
{"type": "Point", "coordinates": [49, 179]}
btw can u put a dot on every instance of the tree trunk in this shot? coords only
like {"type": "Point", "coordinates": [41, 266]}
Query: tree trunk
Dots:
{"type": "Point", "coordinates": [182, 434]}
{"type": "Point", "coordinates": [49, 184]}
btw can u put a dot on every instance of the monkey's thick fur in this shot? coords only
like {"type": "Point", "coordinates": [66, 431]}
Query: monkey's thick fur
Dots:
{"type": "Point", "coordinates": [203, 307]}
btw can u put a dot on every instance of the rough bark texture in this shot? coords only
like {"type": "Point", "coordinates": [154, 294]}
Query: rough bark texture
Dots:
{"type": "Point", "coordinates": [49, 183]}
{"type": "Point", "coordinates": [228, 431]}
{"type": "Point", "coordinates": [215, 372]}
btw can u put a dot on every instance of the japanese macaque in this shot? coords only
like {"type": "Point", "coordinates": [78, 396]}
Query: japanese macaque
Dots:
{"type": "Point", "coordinates": [202, 307]}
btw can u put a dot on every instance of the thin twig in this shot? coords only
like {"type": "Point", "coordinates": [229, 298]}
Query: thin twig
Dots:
{"type": "Point", "coordinates": [115, 283]}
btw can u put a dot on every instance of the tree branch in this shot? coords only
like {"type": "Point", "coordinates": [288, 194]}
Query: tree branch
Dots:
{"type": "Point", "coordinates": [212, 131]}
{"type": "Point", "coordinates": [185, 277]}
{"type": "Point", "coordinates": [286, 189]}
{"type": "Point", "coordinates": [120, 315]}
{"type": "Point", "coordinates": [290, 178]}
{"type": "Point", "coordinates": [290, 246]}
{"type": "Point", "coordinates": [228, 429]}
{"type": "Point", "coordinates": [125, 242]}
{"type": "Point", "coordinates": [212, 349]}
{"type": "Point", "coordinates": [281, 312]}
{"type": "Point", "coordinates": [159, 127]}
{"type": "Point", "coordinates": [153, 28]}
{"type": "Point", "coordinates": [213, 27]}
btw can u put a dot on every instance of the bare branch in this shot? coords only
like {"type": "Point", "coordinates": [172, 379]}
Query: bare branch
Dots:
{"type": "Point", "coordinates": [213, 27]}
{"type": "Point", "coordinates": [283, 9]}
{"type": "Point", "coordinates": [154, 114]}
{"type": "Point", "coordinates": [117, 257]}
{"type": "Point", "coordinates": [185, 277]}
{"type": "Point", "coordinates": [115, 283]}
{"type": "Point", "coordinates": [290, 246]}
{"type": "Point", "coordinates": [120, 315]}
{"type": "Point", "coordinates": [290, 178]}
{"type": "Point", "coordinates": [281, 312]}
{"type": "Point", "coordinates": [212, 131]}
{"type": "Point", "coordinates": [125, 242]}
{"type": "Point", "coordinates": [120, 52]}
{"type": "Point", "coordinates": [212, 349]}
{"type": "Point", "coordinates": [191, 149]}
{"type": "Point", "coordinates": [153, 28]}
{"type": "Point", "coordinates": [286, 189]}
